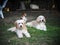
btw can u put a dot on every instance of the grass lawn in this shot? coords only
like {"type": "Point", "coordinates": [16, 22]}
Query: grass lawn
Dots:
{"type": "Point", "coordinates": [38, 37]}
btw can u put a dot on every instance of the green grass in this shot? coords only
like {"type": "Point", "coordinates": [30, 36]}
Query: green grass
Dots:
{"type": "Point", "coordinates": [38, 37]}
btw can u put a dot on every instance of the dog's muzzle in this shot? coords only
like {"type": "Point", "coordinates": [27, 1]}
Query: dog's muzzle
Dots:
{"type": "Point", "coordinates": [42, 20]}
{"type": "Point", "coordinates": [20, 25]}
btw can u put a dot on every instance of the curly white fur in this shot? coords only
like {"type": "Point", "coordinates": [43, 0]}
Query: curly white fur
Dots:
{"type": "Point", "coordinates": [39, 23]}
{"type": "Point", "coordinates": [20, 29]}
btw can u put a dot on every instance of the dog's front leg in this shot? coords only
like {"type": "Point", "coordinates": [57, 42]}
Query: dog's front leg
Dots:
{"type": "Point", "coordinates": [26, 33]}
{"type": "Point", "coordinates": [19, 34]}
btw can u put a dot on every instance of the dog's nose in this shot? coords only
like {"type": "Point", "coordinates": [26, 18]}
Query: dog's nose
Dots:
{"type": "Point", "coordinates": [21, 26]}
{"type": "Point", "coordinates": [42, 20]}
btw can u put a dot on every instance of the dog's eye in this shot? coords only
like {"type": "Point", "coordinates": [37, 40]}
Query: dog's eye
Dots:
{"type": "Point", "coordinates": [22, 23]}
{"type": "Point", "coordinates": [19, 23]}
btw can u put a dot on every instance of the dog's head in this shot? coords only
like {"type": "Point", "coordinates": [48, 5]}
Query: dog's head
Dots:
{"type": "Point", "coordinates": [24, 16]}
{"type": "Point", "coordinates": [19, 24]}
{"type": "Point", "coordinates": [41, 18]}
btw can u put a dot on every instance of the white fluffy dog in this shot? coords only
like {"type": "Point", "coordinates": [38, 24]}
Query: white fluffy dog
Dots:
{"type": "Point", "coordinates": [20, 29]}
{"type": "Point", "coordinates": [39, 23]}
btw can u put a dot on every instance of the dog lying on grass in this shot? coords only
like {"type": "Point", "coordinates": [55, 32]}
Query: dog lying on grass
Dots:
{"type": "Point", "coordinates": [39, 23]}
{"type": "Point", "coordinates": [20, 27]}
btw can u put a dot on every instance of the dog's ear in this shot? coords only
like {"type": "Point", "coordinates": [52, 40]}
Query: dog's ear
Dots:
{"type": "Point", "coordinates": [38, 20]}
{"type": "Point", "coordinates": [24, 26]}
{"type": "Point", "coordinates": [16, 24]}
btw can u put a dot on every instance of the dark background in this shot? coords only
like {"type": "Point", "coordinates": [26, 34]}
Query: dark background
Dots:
{"type": "Point", "coordinates": [43, 4]}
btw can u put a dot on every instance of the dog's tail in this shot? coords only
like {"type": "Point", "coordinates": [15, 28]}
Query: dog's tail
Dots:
{"type": "Point", "coordinates": [12, 29]}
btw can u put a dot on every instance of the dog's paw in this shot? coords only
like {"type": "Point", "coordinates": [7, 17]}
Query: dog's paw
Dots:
{"type": "Point", "coordinates": [20, 36]}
